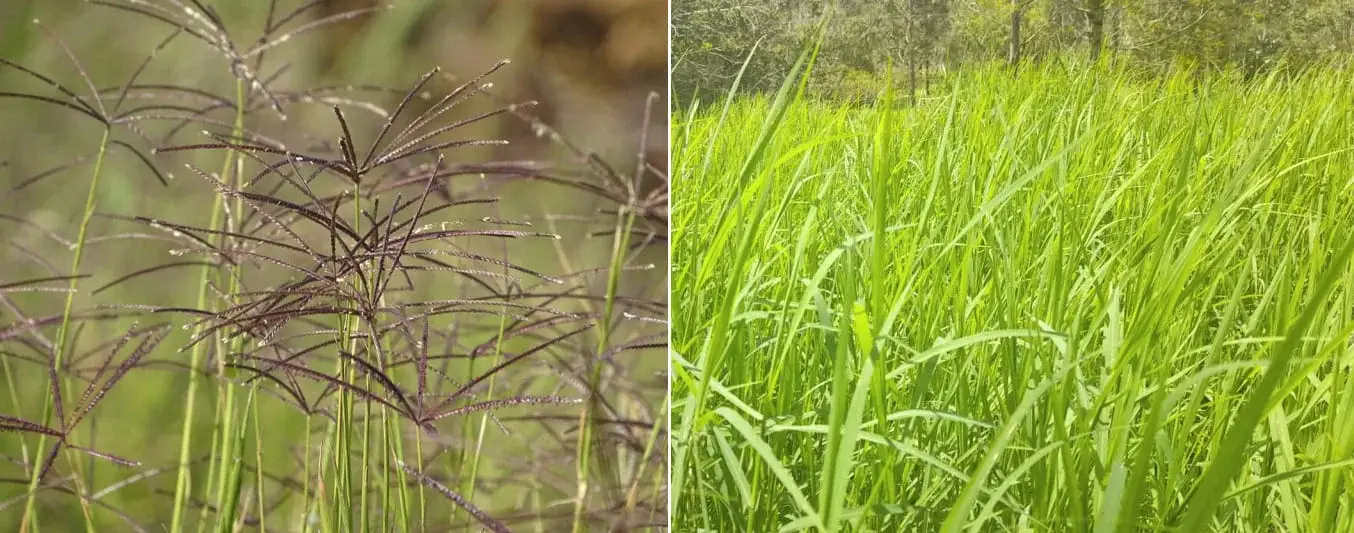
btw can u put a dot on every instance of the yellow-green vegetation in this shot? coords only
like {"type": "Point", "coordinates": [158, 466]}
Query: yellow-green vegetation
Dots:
{"type": "Point", "coordinates": [1068, 299]}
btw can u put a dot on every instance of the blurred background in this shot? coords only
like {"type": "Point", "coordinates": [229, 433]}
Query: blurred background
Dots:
{"type": "Point", "coordinates": [595, 68]}
{"type": "Point", "coordinates": [590, 64]}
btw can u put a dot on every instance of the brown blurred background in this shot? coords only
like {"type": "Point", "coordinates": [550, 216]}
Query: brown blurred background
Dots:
{"type": "Point", "coordinates": [590, 63]}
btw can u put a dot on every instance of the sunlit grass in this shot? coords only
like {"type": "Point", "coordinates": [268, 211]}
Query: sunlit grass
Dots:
{"type": "Point", "coordinates": [1066, 300]}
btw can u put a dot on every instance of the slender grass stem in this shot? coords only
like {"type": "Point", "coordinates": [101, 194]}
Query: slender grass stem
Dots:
{"type": "Point", "coordinates": [60, 344]}
{"type": "Point", "coordinates": [620, 244]}
{"type": "Point", "coordinates": [183, 478]}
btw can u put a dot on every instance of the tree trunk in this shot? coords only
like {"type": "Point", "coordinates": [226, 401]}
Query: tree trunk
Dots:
{"type": "Point", "coordinates": [1116, 31]}
{"type": "Point", "coordinates": [912, 78]}
{"type": "Point", "coordinates": [1095, 18]}
{"type": "Point", "coordinates": [1013, 54]}
{"type": "Point", "coordinates": [926, 80]}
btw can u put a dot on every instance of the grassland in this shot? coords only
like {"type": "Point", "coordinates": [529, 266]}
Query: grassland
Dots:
{"type": "Point", "coordinates": [1068, 299]}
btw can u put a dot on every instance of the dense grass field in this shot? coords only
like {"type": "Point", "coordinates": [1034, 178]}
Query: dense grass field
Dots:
{"type": "Point", "coordinates": [1068, 299]}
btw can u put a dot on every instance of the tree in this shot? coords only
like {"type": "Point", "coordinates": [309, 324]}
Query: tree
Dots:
{"type": "Point", "coordinates": [712, 38]}
{"type": "Point", "coordinates": [1095, 21]}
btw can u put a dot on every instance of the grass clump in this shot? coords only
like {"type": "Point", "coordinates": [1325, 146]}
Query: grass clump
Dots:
{"type": "Point", "coordinates": [1059, 300]}
{"type": "Point", "coordinates": [353, 329]}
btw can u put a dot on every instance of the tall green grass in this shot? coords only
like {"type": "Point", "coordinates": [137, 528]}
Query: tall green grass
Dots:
{"type": "Point", "coordinates": [1058, 300]}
